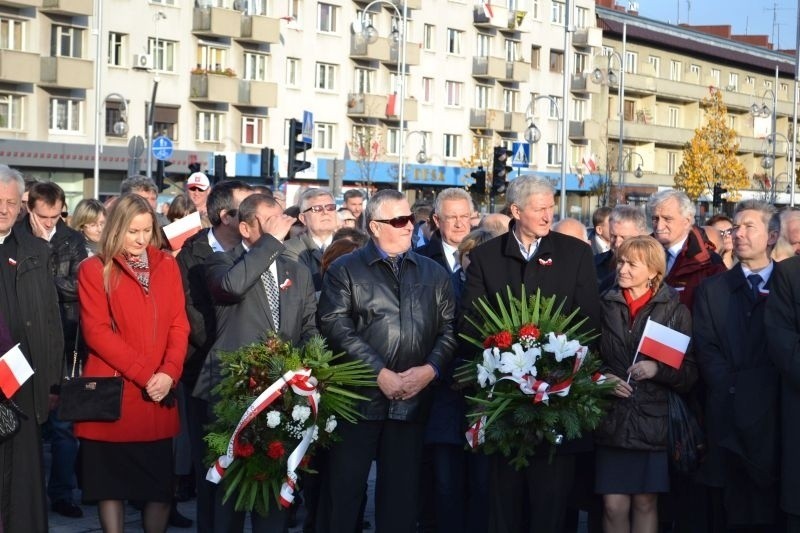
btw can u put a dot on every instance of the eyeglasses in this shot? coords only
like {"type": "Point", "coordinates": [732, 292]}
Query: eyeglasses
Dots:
{"type": "Point", "coordinates": [726, 232]}
{"type": "Point", "coordinates": [195, 189]}
{"type": "Point", "coordinates": [398, 222]}
{"type": "Point", "coordinates": [321, 208]}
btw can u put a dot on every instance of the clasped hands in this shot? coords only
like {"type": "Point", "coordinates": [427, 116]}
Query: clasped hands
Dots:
{"type": "Point", "coordinates": [638, 371]}
{"type": "Point", "coordinates": [158, 386]}
{"type": "Point", "coordinates": [405, 385]}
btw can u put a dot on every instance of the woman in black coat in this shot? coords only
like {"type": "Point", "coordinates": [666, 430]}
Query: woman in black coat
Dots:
{"type": "Point", "coordinates": [631, 460]}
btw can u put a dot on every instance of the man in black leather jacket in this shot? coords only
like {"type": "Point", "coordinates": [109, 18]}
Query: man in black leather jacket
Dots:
{"type": "Point", "coordinates": [393, 309]}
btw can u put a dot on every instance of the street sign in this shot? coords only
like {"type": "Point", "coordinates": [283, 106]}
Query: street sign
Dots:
{"type": "Point", "coordinates": [520, 155]}
{"type": "Point", "coordinates": [136, 147]}
{"type": "Point", "coordinates": [162, 148]}
{"type": "Point", "coordinates": [308, 126]}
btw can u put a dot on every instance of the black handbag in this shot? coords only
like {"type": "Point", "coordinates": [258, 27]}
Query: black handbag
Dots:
{"type": "Point", "coordinates": [90, 399]}
{"type": "Point", "coordinates": [10, 415]}
{"type": "Point", "coordinates": [686, 443]}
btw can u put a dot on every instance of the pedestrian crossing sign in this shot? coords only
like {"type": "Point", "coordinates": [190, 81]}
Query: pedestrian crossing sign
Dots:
{"type": "Point", "coordinates": [520, 155]}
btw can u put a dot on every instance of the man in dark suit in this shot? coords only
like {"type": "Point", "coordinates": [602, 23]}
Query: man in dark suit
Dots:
{"type": "Point", "coordinates": [318, 215]}
{"type": "Point", "coordinates": [741, 381]}
{"type": "Point", "coordinates": [533, 256]}
{"type": "Point", "coordinates": [244, 284]}
{"type": "Point", "coordinates": [624, 222]}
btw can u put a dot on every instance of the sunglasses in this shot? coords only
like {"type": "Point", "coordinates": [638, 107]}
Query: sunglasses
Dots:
{"type": "Point", "coordinates": [726, 232]}
{"type": "Point", "coordinates": [398, 222]}
{"type": "Point", "coordinates": [195, 189]}
{"type": "Point", "coordinates": [321, 208]}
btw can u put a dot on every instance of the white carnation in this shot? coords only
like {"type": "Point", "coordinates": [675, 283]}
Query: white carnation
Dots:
{"type": "Point", "coordinates": [330, 424]}
{"type": "Point", "coordinates": [273, 419]}
{"type": "Point", "coordinates": [301, 413]}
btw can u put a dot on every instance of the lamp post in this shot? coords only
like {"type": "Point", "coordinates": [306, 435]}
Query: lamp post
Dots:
{"type": "Point", "coordinates": [159, 15]}
{"type": "Point", "coordinates": [638, 173]}
{"type": "Point", "coordinates": [422, 155]}
{"type": "Point", "coordinates": [120, 128]}
{"type": "Point", "coordinates": [768, 161]}
{"type": "Point", "coordinates": [371, 35]}
{"type": "Point", "coordinates": [533, 135]}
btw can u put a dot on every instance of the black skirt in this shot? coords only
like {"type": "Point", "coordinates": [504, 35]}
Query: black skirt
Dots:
{"type": "Point", "coordinates": [126, 470]}
{"type": "Point", "coordinates": [619, 471]}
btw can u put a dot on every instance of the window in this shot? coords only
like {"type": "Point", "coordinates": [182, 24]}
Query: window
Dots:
{"type": "Point", "coordinates": [767, 83]}
{"type": "Point", "coordinates": [427, 90]}
{"type": "Point", "coordinates": [536, 57]}
{"type": "Point", "coordinates": [163, 54]}
{"type": "Point", "coordinates": [10, 112]}
{"type": "Point", "coordinates": [165, 121]}
{"type": "Point", "coordinates": [255, 66]}
{"type": "Point", "coordinates": [116, 48]}
{"type": "Point", "coordinates": [113, 116]}
{"type": "Point", "coordinates": [715, 77]}
{"type": "Point", "coordinates": [628, 110]}
{"type": "Point", "coordinates": [607, 51]}
{"type": "Point", "coordinates": [453, 89]}
{"type": "Point", "coordinates": [695, 70]}
{"type": "Point", "coordinates": [208, 126]}
{"type": "Point", "coordinates": [580, 60]}
{"type": "Point", "coordinates": [675, 70]}
{"type": "Point", "coordinates": [294, 10]}
{"type": "Point", "coordinates": [553, 105]}
{"type": "Point", "coordinates": [655, 62]}
{"type": "Point", "coordinates": [579, 106]}
{"type": "Point", "coordinates": [212, 58]}
{"type": "Point", "coordinates": [631, 62]}
{"type": "Point", "coordinates": [553, 154]}
{"type": "Point", "coordinates": [512, 50]}
{"type": "Point", "coordinates": [256, 7]}
{"type": "Point", "coordinates": [65, 114]}
{"type": "Point", "coordinates": [326, 77]}
{"type": "Point", "coordinates": [292, 72]}
{"type": "Point", "coordinates": [483, 45]}
{"type": "Point", "coordinates": [733, 81]}
{"type": "Point", "coordinates": [66, 41]}
{"type": "Point", "coordinates": [451, 143]}
{"type": "Point", "coordinates": [12, 34]}
{"type": "Point", "coordinates": [428, 37]}
{"type": "Point", "coordinates": [326, 17]}
{"type": "Point", "coordinates": [510, 100]}
{"type": "Point", "coordinates": [556, 61]}
{"type": "Point", "coordinates": [750, 80]}
{"type": "Point", "coordinates": [672, 162]}
{"type": "Point", "coordinates": [673, 114]}
{"type": "Point", "coordinates": [395, 83]}
{"type": "Point", "coordinates": [393, 141]}
{"type": "Point", "coordinates": [163, 2]}
{"type": "Point", "coordinates": [454, 41]}
{"type": "Point", "coordinates": [534, 12]}
{"type": "Point", "coordinates": [557, 12]}
{"type": "Point", "coordinates": [581, 16]}
{"type": "Point", "coordinates": [483, 96]}
{"type": "Point", "coordinates": [323, 140]}
{"type": "Point", "coordinates": [732, 122]}
{"type": "Point", "coordinates": [254, 130]}
{"type": "Point", "coordinates": [363, 80]}
{"type": "Point", "coordinates": [784, 87]}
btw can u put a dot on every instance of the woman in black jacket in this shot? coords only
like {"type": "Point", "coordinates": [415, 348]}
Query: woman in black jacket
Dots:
{"type": "Point", "coordinates": [631, 461]}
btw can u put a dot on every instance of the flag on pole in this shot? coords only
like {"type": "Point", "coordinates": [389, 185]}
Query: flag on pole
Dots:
{"type": "Point", "coordinates": [183, 228]}
{"type": "Point", "coordinates": [590, 163]}
{"type": "Point", "coordinates": [14, 371]}
{"type": "Point", "coordinates": [663, 344]}
{"type": "Point", "coordinates": [487, 9]}
{"type": "Point", "coordinates": [391, 103]}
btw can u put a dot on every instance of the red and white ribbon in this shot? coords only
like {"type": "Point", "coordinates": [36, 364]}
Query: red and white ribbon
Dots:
{"type": "Point", "coordinates": [476, 434]}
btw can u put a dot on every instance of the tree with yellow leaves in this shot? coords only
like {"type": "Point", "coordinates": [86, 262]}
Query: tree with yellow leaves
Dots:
{"type": "Point", "coordinates": [710, 157]}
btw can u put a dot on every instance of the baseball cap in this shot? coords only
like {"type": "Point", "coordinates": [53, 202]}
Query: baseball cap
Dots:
{"type": "Point", "coordinates": [199, 180]}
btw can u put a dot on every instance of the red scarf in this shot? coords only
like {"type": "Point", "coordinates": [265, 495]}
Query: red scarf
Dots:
{"type": "Point", "coordinates": [634, 306]}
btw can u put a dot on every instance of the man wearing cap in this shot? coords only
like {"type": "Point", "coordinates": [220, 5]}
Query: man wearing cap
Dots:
{"type": "Point", "coordinates": [198, 188]}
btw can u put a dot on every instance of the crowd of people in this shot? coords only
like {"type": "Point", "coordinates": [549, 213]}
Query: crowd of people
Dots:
{"type": "Point", "coordinates": [393, 285]}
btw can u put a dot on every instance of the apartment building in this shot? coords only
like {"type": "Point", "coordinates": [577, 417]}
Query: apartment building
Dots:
{"type": "Point", "coordinates": [668, 70]}
{"type": "Point", "coordinates": [77, 77]}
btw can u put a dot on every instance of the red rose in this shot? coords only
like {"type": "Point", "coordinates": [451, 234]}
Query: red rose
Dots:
{"type": "Point", "coordinates": [503, 340]}
{"type": "Point", "coordinates": [529, 330]}
{"type": "Point", "coordinates": [275, 450]}
{"type": "Point", "coordinates": [252, 384]}
{"type": "Point", "coordinates": [489, 342]}
{"type": "Point", "coordinates": [243, 449]}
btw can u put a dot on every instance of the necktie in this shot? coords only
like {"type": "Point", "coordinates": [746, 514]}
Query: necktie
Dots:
{"type": "Point", "coordinates": [456, 263]}
{"type": "Point", "coordinates": [394, 263]}
{"type": "Point", "coordinates": [755, 280]}
{"type": "Point", "coordinates": [271, 287]}
{"type": "Point", "coordinates": [669, 260]}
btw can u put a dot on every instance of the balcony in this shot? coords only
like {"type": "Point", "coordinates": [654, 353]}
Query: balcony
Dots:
{"type": "Point", "coordinates": [68, 7]}
{"type": "Point", "coordinates": [583, 130]}
{"type": "Point", "coordinates": [15, 66]}
{"type": "Point", "coordinates": [258, 93]}
{"type": "Point", "coordinates": [515, 19]}
{"type": "Point", "coordinates": [377, 51]}
{"type": "Point", "coordinates": [410, 4]}
{"type": "Point", "coordinates": [412, 54]}
{"type": "Point", "coordinates": [21, 3]}
{"type": "Point", "coordinates": [66, 72]}
{"type": "Point", "coordinates": [365, 105]}
{"type": "Point", "coordinates": [489, 67]}
{"type": "Point", "coordinates": [516, 72]}
{"type": "Point", "coordinates": [639, 132]}
{"type": "Point", "coordinates": [587, 37]}
{"type": "Point", "coordinates": [214, 88]}
{"type": "Point", "coordinates": [583, 85]}
{"type": "Point", "coordinates": [487, 119]}
{"type": "Point", "coordinates": [514, 122]}
{"type": "Point", "coordinates": [491, 16]}
{"type": "Point", "coordinates": [257, 29]}
{"type": "Point", "coordinates": [410, 112]}
{"type": "Point", "coordinates": [217, 22]}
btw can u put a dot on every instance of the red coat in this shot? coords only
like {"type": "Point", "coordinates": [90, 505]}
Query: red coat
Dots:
{"type": "Point", "coordinates": [151, 336]}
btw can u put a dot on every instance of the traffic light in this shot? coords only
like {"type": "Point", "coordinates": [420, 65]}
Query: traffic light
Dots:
{"type": "Point", "coordinates": [219, 168]}
{"type": "Point", "coordinates": [720, 194]}
{"type": "Point", "coordinates": [267, 164]}
{"type": "Point", "coordinates": [479, 187]}
{"type": "Point", "coordinates": [296, 147]}
{"type": "Point", "coordinates": [161, 166]}
{"type": "Point", "coordinates": [500, 169]}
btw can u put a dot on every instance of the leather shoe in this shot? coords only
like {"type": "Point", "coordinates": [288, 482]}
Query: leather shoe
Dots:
{"type": "Point", "coordinates": [70, 510]}
{"type": "Point", "coordinates": [176, 519]}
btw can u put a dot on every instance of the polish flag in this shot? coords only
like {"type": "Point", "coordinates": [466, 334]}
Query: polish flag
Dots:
{"type": "Point", "coordinates": [590, 163]}
{"type": "Point", "coordinates": [663, 344]}
{"type": "Point", "coordinates": [14, 371]}
{"type": "Point", "coordinates": [182, 229]}
{"type": "Point", "coordinates": [487, 9]}
{"type": "Point", "coordinates": [391, 103]}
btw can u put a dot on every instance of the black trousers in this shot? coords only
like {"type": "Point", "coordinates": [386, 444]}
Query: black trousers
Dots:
{"type": "Point", "coordinates": [397, 449]}
{"type": "Point", "coordinates": [533, 499]}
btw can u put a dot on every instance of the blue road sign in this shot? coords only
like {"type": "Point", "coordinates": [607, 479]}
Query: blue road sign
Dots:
{"type": "Point", "coordinates": [520, 155]}
{"type": "Point", "coordinates": [308, 127]}
{"type": "Point", "coordinates": [162, 148]}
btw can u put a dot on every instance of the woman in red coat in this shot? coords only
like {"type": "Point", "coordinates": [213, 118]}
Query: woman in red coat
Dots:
{"type": "Point", "coordinates": [134, 323]}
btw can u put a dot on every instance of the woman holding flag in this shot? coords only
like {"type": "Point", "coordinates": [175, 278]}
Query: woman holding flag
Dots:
{"type": "Point", "coordinates": [645, 351]}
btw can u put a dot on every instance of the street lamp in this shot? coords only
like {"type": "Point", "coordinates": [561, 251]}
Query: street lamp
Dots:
{"type": "Point", "coordinates": [768, 161]}
{"type": "Point", "coordinates": [638, 173]}
{"type": "Point", "coordinates": [398, 35]}
{"type": "Point", "coordinates": [610, 79]}
{"type": "Point", "coordinates": [422, 155]}
{"type": "Point", "coordinates": [533, 135]}
{"type": "Point", "coordinates": [120, 128]}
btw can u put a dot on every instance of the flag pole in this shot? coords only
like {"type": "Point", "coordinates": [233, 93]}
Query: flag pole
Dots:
{"type": "Point", "coordinates": [636, 355]}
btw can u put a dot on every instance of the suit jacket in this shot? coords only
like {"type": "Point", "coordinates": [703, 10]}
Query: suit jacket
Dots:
{"type": "Point", "coordinates": [695, 262]}
{"type": "Point", "coordinates": [243, 311]}
{"type": "Point", "coordinates": [305, 251]}
{"type": "Point", "coordinates": [782, 323]}
{"type": "Point", "coordinates": [741, 396]}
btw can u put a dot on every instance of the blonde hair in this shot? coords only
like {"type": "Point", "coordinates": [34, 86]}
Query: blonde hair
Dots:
{"type": "Point", "coordinates": [648, 250]}
{"type": "Point", "coordinates": [783, 249]}
{"type": "Point", "coordinates": [474, 238]}
{"type": "Point", "coordinates": [87, 211]}
{"type": "Point", "coordinates": [112, 241]}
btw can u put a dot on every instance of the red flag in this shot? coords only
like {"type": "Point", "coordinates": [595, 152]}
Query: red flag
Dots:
{"type": "Point", "coordinates": [487, 9]}
{"type": "Point", "coordinates": [663, 344]}
{"type": "Point", "coordinates": [182, 229]}
{"type": "Point", "coordinates": [14, 371]}
{"type": "Point", "coordinates": [390, 103]}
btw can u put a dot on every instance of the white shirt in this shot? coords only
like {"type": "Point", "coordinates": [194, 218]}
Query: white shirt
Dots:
{"type": "Point", "coordinates": [213, 242]}
{"type": "Point", "coordinates": [4, 237]}
{"type": "Point", "coordinates": [527, 253]}
{"type": "Point", "coordinates": [322, 244]}
{"type": "Point", "coordinates": [450, 254]}
{"type": "Point", "coordinates": [273, 267]}
{"type": "Point", "coordinates": [765, 273]}
{"type": "Point", "coordinates": [672, 253]}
